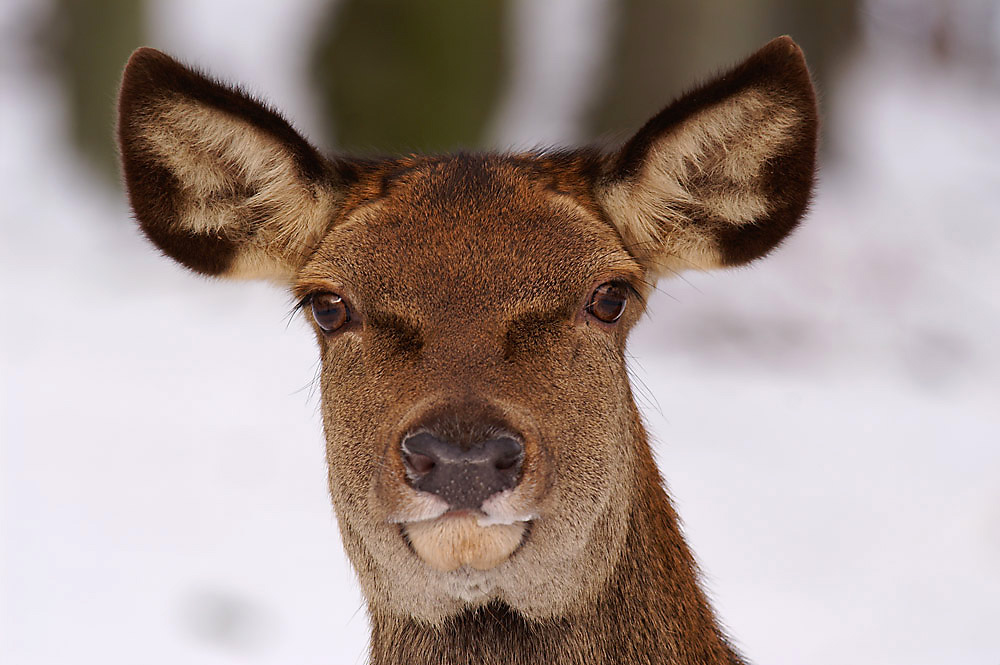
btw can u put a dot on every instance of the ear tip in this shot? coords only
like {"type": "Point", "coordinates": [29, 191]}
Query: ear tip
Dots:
{"type": "Point", "coordinates": [145, 53]}
{"type": "Point", "coordinates": [782, 52]}
{"type": "Point", "coordinates": [150, 73]}
{"type": "Point", "coordinates": [148, 59]}
{"type": "Point", "coordinates": [148, 69]}
{"type": "Point", "coordinates": [785, 43]}
{"type": "Point", "coordinates": [145, 66]}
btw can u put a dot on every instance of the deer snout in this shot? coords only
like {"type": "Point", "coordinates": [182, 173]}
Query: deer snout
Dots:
{"type": "Point", "coordinates": [464, 477]}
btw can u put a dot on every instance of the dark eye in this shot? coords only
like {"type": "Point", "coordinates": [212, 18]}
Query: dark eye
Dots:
{"type": "Point", "coordinates": [330, 311]}
{"type": "Point", "coordinates": [607, 302]}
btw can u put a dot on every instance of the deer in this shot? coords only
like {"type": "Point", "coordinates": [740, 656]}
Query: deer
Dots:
{"type": "Point", "coordinates": [491, 476]}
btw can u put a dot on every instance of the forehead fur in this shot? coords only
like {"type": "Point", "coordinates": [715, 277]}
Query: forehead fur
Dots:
{"type": "Point", "coordinates": [469, 224]}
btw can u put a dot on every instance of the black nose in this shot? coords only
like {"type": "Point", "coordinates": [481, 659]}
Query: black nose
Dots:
{"type": "Point", "coordinates": [462, 477]}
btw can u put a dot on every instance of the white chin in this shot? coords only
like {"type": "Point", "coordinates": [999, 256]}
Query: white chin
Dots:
{"type": "Point", "coordinates": [450, 542]}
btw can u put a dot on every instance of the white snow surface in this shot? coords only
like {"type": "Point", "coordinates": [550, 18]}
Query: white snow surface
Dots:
{"type": "Point", "coordinates": [827, 420]}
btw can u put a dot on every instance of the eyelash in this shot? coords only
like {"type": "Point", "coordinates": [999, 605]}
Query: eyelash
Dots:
{"type": "Point", "coordinates": [300, 306]}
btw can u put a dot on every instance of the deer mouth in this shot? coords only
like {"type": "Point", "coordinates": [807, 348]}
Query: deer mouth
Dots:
{"type": "Point", "coordinates": [465, 538]}
{"type": "Point", "coordinates": [447, 539]}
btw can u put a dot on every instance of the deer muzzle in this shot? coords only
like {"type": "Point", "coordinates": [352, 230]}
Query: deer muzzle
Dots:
{"type": "Point", "coordinates": [464, 478]}
{"type": "Point", "coordinates": [463, 497]}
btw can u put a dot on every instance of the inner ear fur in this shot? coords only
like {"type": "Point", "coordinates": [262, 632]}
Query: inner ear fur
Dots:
{"type": "Point", "coordinates": [217, 180]}
{"type": "Point", "coordinates": [722, 175]}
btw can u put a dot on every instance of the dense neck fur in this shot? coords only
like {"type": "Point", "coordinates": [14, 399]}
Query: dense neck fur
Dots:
{"type": "Point", "coordinates": [653, 611]}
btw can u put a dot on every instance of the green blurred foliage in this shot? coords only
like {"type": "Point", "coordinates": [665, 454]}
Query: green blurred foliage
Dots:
{"type": "Point", "coordinates": [428, 75]}
{"type": "Point", "coordinates": [88, 44]}
{"type": "Point", "coordinates": [399, 76]}
{"type": "Point", "coordinates": [663, 47]}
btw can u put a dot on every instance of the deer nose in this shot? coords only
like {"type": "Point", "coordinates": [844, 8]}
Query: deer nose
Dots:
{"type": "Point", "coordinates": [462, 477]}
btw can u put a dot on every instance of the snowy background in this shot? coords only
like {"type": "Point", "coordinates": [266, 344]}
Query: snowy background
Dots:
{"type": "Point", "coordinates": [162, 488]}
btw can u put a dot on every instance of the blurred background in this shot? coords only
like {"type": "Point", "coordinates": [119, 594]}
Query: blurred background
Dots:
{"type": "Point", "coordinates": [162, 482]}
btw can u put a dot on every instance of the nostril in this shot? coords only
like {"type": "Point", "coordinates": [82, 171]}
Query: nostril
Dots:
{"type": "Point", "coordinates": [422, 453]}
{"type": "Point", "coordinates": [506, 452]}
{"type": "Point", "coordinates": [417, 463]}
{"type": "Point", "coordinates": [507, 463]}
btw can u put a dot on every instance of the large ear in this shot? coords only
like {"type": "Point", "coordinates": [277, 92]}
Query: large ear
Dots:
{"type": "Point", "coordinates": [723, 174]}
{"type": "Point", "coordinates": [218, 181]}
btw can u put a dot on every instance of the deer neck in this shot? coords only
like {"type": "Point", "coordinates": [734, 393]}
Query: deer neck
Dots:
{"type": "Point", "coordinates": [653, 611]}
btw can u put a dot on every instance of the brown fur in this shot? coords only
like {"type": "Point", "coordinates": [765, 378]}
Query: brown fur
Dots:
{"type": "Point", "coordinates": [737, 156]}
{"type": "Point", "coordinates": [467, 277]}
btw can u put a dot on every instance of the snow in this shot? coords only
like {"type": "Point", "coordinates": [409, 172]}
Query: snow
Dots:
{"type": "Point", "coordinates": [827, 420]}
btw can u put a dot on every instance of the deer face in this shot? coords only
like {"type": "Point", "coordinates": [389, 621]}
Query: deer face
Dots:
{"type": "Point", "coordinates": [476, 404]}
{"type": "Point", "coordinates": [471, 311]}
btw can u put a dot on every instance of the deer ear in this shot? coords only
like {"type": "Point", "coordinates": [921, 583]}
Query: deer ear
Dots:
{"type": "Point", "coordinates": [723, 174]}
{"type": "Point", "coordinates": [218, 181]}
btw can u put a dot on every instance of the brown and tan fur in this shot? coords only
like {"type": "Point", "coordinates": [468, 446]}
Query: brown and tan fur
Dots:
{"type": "Point", "coordinates": [468, 278]}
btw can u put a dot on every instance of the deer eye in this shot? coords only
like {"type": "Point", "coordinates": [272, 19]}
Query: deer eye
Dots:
{"type": "Point", "coordinates": [330, 311]}
{"type": "Point", "coordinates": [607, 302]}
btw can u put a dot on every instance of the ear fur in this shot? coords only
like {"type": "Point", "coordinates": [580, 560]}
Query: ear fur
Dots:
{"type": "Point", "coordinates": [723, 174]}
{"type": "Point", "coordinates": [218, 181]}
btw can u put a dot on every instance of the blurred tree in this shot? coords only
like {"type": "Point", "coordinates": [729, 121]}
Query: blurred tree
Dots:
{"type": "Point", "coordinates": [662, 46]}
{"type": "Point", "coordinates": [397, 75]}
{"type": "Point", "coordinates": [88, 43]}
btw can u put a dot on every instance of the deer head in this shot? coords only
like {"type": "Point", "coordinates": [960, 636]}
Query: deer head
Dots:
{"type": "Point", "coordinates": [471, 312]}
